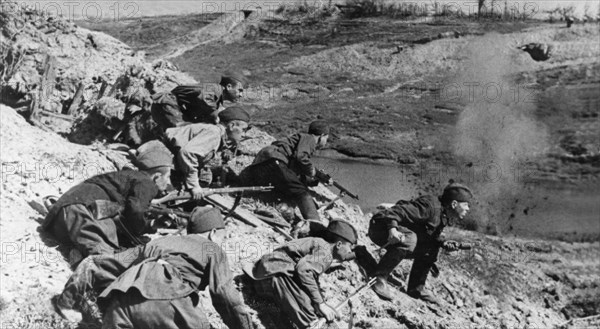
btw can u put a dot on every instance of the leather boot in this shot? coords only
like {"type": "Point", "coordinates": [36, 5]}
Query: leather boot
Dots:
{"type": "Point", "coordinates": [383, 289]}
{"type": "Point", "coordinates": [308, 208]}
{"type": "Point", "coordinates": [425, 296]}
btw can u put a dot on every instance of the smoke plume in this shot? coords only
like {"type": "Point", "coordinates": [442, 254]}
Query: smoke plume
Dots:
{"type": "Point", "coordinates": [496, 130]}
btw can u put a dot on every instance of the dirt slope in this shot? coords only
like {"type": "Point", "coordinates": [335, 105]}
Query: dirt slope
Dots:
{"type": "Point", "coordinates": [502, 283]}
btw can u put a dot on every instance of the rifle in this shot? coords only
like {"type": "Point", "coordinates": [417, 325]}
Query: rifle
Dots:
{"type": "Point", "coordinates": [320, 322]}
{"type": "Point", "coordinates": [177, 195]}
{"type": "Point", "coordinates": [163, 211]}
{"type": "Point", "coordinates": [324, 177]}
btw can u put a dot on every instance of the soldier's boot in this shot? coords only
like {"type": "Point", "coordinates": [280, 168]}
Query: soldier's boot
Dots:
{"type": "Point", "coordinates": [384, 268]}
{"type": "Point", "coordinates": [425, 296]}
{"type": "Point", "coordinates": [65, 311]}
{"type": "Point", "coordinates": [78, 295]}
{"type": "Point", "coordinates": [307, 207]}
{"type": "Point", "coordinates": [417, 279]}
{"type": "Point", "coordinates": [383, 289]}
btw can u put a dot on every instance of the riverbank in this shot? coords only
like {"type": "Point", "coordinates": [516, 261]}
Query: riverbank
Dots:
{"type": "Point", "coordinates": [394, 87]}
{"type": "Point", "coordinates": [502, 282]}
{"type": "Point", "coordinates": [465, 105]}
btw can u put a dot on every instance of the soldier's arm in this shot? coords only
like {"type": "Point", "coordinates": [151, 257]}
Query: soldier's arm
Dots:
{"type": "Point", "coordinates": [417, 211]}
{"type": "Point", "coordinates": [310, 267]}
{"type": "Point", "coordinates": [225, 298]}
{"type": "Point", "coordinates": [306, 148]}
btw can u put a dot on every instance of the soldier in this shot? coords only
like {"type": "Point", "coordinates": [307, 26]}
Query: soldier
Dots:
{"type": "Point", "coordinates": [290, 275]}
{"type": "Point", "coordinates": [413, 229]}
{"type": "Point", "coordinates": [196, 144]}
{"type": "Point", "coordinates": [197, 103]}
{"type": "Point", "coordinates": [106, 213]}
{"type": "Point", "coordinates": [286, 165]}
{"type": "Point", "coordinates": [156, 285]}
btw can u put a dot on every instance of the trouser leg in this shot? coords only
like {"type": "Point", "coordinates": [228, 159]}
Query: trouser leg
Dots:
{"type": "Point", "coordinates": [394, 253]}
{"type": "Point", "coordinates": [132, 310]}
{"type": "Point", "coordinates": [94, 274]}
{"type": "Point", "coordinates": [76, 227]}
{"type": "Point", "coordinates": [422, 264]}
{"type": "Point", "coordinates": [286, 182]}
{"type": "Point", "coordinates": [294, 302]}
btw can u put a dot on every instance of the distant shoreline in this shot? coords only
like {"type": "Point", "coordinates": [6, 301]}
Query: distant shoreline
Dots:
{"type": "Point", "coordinates": [103, 10]}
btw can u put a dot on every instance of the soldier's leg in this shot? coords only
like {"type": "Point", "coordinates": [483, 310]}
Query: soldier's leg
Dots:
{"type": "Point", "coordinates": [87, 235]}
{"type": "Point", "coordinates": [394, 255]}
{"type": "Point", "coordinates": [424, 260]}
{"type": "Point", "coordinates": [93, 275]}
{"type": "Point", "coordinates": [286, 182]}
{"type": "Point", "coordinates": [132, 310]}
{"type": "Point", "coordinates": [294, 302]}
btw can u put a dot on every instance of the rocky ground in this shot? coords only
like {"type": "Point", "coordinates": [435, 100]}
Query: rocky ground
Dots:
{"type": "Point", "coordinates": [501, 283]}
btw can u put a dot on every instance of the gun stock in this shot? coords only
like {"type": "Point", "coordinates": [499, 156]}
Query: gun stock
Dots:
{"type": "Point", "coordinates": [177, 195]}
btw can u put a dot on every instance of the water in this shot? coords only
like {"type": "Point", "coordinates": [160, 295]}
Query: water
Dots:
{"type": "Point", "coordinates": [116, 10]}
{"type": "Point", "coordinates": [570, 214]}
{"type": "Point", "coordinates": [374, 183]}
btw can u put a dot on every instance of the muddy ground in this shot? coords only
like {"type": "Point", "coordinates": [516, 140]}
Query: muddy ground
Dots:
{"type": "Point", "coordinates": [385, 104]}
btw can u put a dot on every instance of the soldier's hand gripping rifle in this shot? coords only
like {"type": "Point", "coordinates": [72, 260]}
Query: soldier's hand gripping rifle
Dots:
{"type": "Point", "coordinates": [177, 195]}
{"type": "Point", "coordinates": [317, 324]}
{"type": "Point", "coordinates": [325, 178]}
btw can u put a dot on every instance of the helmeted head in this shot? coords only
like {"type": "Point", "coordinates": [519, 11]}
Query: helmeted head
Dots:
{"type": "Point", "coordinates": [207, 221]}
{"type": "Point", "coordinates": [319, 129]}
{"type": "Point", "coordinates": [344, 236]}
{"type": "Point", "coordinates": [456, 199]}
{"type": "Point", "coordinates": [233, 84]}
{"type": "Point", "coordinates": [158, 164]}
{"type": "Point", "coordinates": [235, 119]}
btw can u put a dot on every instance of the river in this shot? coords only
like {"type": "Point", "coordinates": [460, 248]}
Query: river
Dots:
{"type": "Point", "coordinates": [543, 211]}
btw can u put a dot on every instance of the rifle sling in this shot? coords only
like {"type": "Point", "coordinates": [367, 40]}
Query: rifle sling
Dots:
{"type": "Point", "coordinates": [236, 203]}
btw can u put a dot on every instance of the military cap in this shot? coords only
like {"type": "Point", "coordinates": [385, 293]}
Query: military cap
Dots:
{"type": "Point", "coordinates": [344, 230]}
{"type": "Point", "coordinates": [235, 112]}
{"type": "Point", "coordinates": [455, 191]}
{"type": "Point", "coordinates": [318, 127]}
{"type": "Point", "coordinates": [232, 78]}
{"type": "Point", "coordinates": [204, 219]}
{"type": "Point", "coordinates": [153, 158]}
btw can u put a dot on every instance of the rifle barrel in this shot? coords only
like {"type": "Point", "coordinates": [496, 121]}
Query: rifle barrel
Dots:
{"type": "Point", "coordinates": [343, 189]}
{"type": "Point", "coordinates": [319, 323]}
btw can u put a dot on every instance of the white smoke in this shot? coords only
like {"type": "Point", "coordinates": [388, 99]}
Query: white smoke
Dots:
{"type": "Point", "coordinates": [496, 130]}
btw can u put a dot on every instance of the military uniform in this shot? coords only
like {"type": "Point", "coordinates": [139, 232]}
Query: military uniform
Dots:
{"type": "Point", "coordinates": [187, 104]}
{"type": "Point", "coordinates": [156, 285]}
{"type": "Point", "coordinates": [283, 164]}
{"type": "Point", "coordinates": [421, 222]}
{"type": "Point", "coordinates": [104, 213]}
{"type": "Point", "coordinates": [290, 276]}
{"type": "Point", "coordinates": [196, 144]}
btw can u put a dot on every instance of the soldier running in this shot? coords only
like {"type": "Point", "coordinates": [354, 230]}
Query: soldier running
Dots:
{"type": "Point", "coordinates": [412, 229]}
{"type": "Point", "coordinates": [156, 285]}
{"type": "Point", "coordinates": [106, 213]}
{"type": "Point", "coordinates": [290, 275]}
{"type": "Point", "coordinates": [286, 165]}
